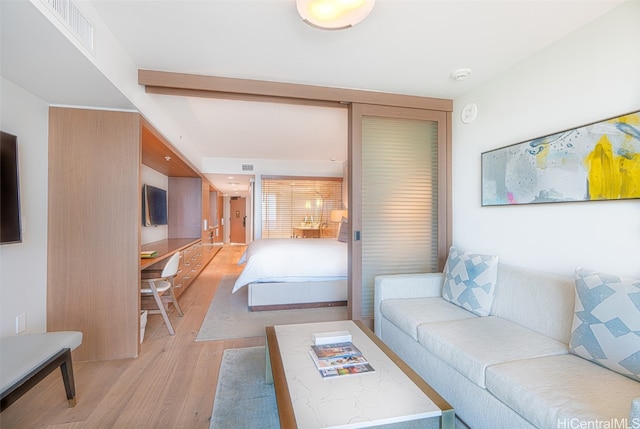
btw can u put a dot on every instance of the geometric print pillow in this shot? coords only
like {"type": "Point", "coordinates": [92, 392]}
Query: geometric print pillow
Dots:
{"type": "Point", "coordinates": [470, 280]}
{"type": "Point", "coordinates": [606, 324]}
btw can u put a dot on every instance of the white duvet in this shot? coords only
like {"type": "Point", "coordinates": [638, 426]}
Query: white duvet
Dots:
{"type": "Point", "coordinates": [293, 260]}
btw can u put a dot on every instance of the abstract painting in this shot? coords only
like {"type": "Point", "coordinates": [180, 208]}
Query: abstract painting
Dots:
{"type": "Point", "coordinates": [599, 161]}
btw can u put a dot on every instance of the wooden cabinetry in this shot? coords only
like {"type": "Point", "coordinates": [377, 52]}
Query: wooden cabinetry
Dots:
{"type": "Point", "coordinates": [93, 230]}
{"type": "Point", "coordinates": [191, 265]}
{"type": "Point", "coordinates": [212, 202]}
{"type": "Point", "coordinates": [93, 250]}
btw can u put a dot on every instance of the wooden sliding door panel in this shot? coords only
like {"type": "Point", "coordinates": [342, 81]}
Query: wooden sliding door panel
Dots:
{"type": "Point", "coordinates": [398, 197]}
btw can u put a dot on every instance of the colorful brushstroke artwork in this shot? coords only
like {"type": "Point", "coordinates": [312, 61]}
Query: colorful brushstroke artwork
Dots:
{"type": "Point", "coordinates": [600, 161]}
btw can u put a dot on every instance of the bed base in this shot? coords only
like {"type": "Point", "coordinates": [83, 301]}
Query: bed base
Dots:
{"type": "Point", "coordinates": [297, 306]}
{"type": "Point", "coordinates": [286, 296]}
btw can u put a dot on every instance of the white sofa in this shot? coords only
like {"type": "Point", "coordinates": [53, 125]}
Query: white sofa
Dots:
{"type": "Point", "coordinates": [511, 369]}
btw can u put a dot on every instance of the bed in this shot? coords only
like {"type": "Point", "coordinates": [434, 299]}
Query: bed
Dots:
{"type": "Point", "coordinates": [284, 273]}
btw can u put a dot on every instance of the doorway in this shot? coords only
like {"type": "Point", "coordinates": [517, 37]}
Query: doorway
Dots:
{"type": "Point", "coordinates": [238, 220]}
{"type": "Point", "coordinates": [363, 225]}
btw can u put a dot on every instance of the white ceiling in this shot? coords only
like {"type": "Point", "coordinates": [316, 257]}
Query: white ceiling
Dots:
{"type": "Point", "coordinates": [407, 47]}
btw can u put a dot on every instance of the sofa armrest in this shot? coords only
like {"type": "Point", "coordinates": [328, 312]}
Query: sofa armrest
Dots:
{"type": "Point", "coordinates": [423, 285]}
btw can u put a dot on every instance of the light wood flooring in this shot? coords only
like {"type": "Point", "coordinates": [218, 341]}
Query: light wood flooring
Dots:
{"type": "Point", "coordinates": [171, 384]}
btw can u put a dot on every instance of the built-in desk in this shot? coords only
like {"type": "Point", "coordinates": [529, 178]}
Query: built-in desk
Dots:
{"type": "Point", "coordinates": [194, 256]}
{"type": "Point", "coordinates": [165, 248]}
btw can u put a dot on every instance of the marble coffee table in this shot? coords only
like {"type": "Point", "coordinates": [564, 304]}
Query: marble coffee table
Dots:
{"type": "Point", "coordinates": [392, 394]}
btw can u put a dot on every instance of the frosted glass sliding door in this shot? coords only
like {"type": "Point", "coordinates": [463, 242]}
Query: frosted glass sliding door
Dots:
{"type": "Point", "coordinates": [401, 188]}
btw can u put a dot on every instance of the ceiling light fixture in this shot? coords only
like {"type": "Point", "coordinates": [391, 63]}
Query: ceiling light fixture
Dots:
{"type": "Point", "coordinates": [334, 14]}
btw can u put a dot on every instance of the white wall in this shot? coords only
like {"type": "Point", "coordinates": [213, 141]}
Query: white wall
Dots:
{"type": "Point", "coordinates": [591, 75]}
{"type": "Point", "coordinates": [23, 266]}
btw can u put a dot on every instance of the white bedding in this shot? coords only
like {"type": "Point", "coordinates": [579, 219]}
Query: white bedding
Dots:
{"type": "Point", "coordinates": [293, 260]}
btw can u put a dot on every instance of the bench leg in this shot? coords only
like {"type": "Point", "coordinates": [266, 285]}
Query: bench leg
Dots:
{"type": "Point", "coordinates": [63, 360]}
{"type": "Point", "coordinates": [66, 367]}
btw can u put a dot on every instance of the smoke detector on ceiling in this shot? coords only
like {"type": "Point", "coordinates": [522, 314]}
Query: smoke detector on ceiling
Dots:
{"type": "Point", "coordinates": [460, 74]}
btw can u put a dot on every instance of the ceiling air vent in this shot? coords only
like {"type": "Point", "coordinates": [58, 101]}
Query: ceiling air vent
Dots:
{"type": "Point", "coordinates": [71, 16]}
{"type": "Point", "coordinates": [247, 167]}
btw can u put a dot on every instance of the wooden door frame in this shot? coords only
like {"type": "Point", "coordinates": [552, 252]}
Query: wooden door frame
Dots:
{"type": "Point", "coordinates": [192, 85]}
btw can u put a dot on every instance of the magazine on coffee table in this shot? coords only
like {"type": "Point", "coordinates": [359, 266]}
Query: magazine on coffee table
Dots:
{"type": "Point", "coordinates": [333, 360]}
{"type": "Point", "coordinates": [346, 370]}
{"type": "Point", "coordinates": [336, 350]}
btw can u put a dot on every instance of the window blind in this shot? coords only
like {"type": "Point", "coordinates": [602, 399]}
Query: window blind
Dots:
{"type": "Point", "coordinates": [399, 200]}
{"type": "Point", "coordinates": [300, 202]}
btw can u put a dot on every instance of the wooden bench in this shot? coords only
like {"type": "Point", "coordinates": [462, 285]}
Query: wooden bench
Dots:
{"type": "Point", "coordinates": [28, 358]}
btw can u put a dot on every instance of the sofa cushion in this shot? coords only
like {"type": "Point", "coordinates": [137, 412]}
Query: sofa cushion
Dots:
{"type": "Point", "coordinates": [471, 345]}
{"type": "Point", "coordinates": [408, 314]}
{"type": "Point", "coordinates": [606, 326]}
{"type": "Point", "coordinates": [470, 280]}
{"type": "Point", "coordinates": [562, 391]}
{"type": "Point", "coordinates": [537, 300]}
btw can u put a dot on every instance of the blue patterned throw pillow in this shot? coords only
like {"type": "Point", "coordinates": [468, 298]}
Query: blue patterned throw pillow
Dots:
{"type": "Point", "coordinates": [470, 280]}
{"type": "Point", "coordinates": [606, 324]}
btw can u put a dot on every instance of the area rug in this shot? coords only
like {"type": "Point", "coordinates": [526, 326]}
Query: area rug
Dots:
{"type": "Point", "coordinates": [229, 317]}
{"type": "Point", "coordinates": [243, 399]}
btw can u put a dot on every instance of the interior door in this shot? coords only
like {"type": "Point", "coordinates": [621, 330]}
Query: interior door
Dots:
{"type": "Point", "coordinates": [238, 222]}
{"type": "Point", "coordinates": [397, 198]}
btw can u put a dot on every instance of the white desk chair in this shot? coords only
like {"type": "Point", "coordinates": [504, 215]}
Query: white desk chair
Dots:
{"type": "Point", "coordinates": [157, 287]}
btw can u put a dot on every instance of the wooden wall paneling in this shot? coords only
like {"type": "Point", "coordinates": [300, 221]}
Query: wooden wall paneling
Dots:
{"type": "Point", "coordinates": [221, 227]}
{"type": "Point", "coordinates": [213, 212]}
{"type": "Point", "coordinates": [209, 212]}
{"type": "Point", "coordinates": [156, 149]}
{"type": "Point", "coordinates": [207, 240]}
{"type": "Point", "coordinates": [214, 217]}
{"type": "Point", "coordinates": [205, 212]}
{"type": "Point", "coordinates": [93, 230]}
{"type": "Point", "coordinates": [185, 207]}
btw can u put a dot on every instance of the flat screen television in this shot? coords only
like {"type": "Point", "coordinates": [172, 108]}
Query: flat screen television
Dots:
{"type": "Point", "coordinates": [154, 206]}
{"type": "Point", "coordinates": [10, 230]}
